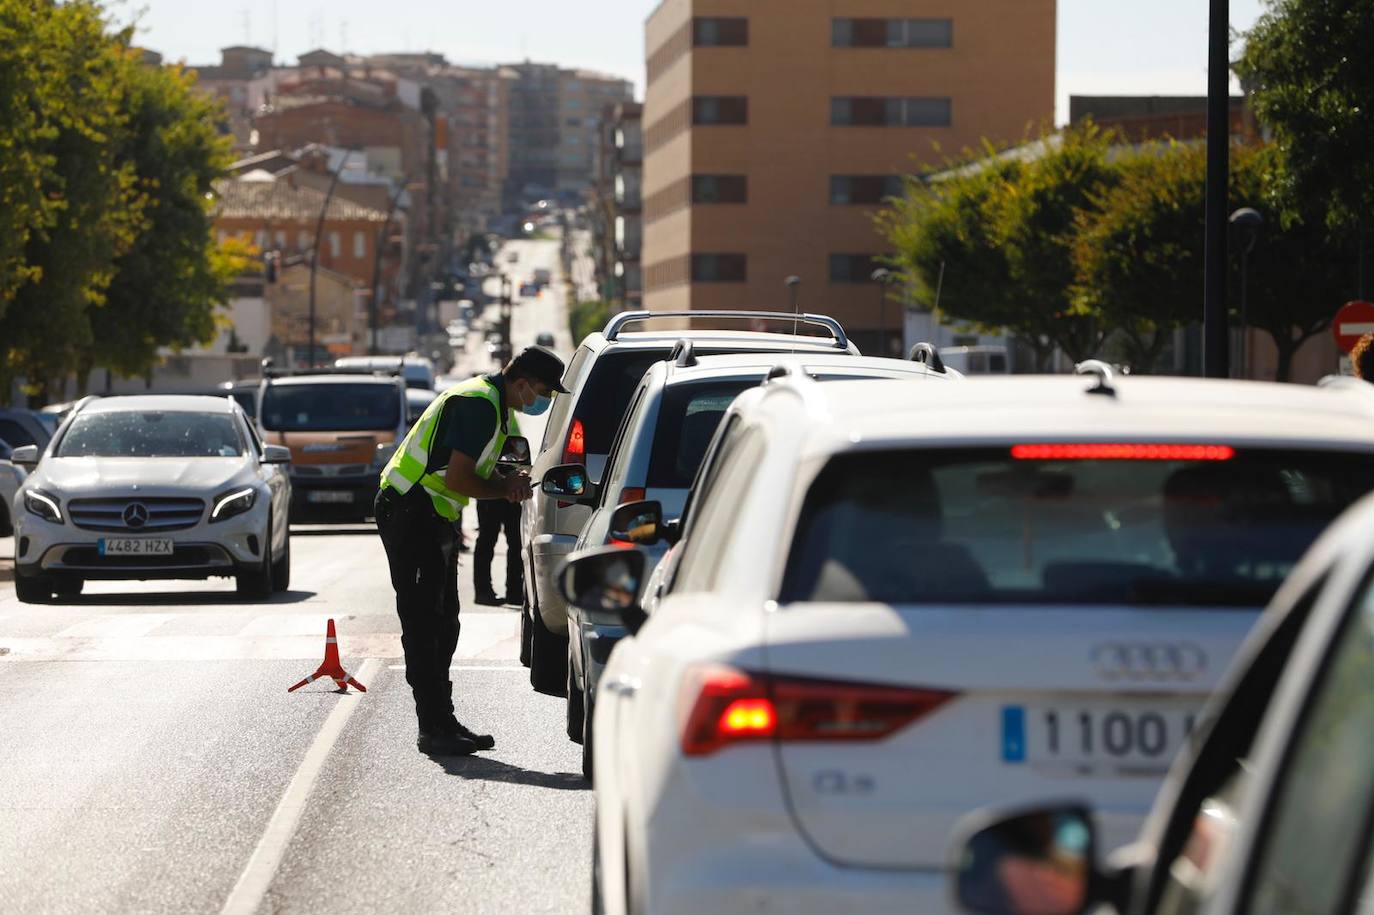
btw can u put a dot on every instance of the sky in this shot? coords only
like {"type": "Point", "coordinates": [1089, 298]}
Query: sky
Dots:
{"type": "Point", "coordinates": [1106, 47]}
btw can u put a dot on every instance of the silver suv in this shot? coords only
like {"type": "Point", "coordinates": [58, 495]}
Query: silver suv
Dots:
{"type": "Point", "coordinates": [602, 376]}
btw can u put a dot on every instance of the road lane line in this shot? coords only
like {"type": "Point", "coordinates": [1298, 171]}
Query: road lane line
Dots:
{"type": "Point", "coordinates": [258, 873]}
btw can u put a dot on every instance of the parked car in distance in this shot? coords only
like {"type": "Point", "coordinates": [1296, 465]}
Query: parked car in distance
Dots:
{"type": "Point", "coordinates": [152, 487]}
{"type": "Point", "coordinates": [341, 429]}
{"type": "Point", "coordinates": [977, 360]}
{"type": "Point", "coordinates": [602, 376]}
{"type": "Point", "coordinates": [245, 394]}
{"type": "Point", "coordinates": [417, 371]}
{"type": "Point", "coordinates": [24, 427]}
{"type": "Point", "coordinates": [1268, 811]}
{"type": "Point", "coordinates": [545, 339]}
{"type": "Point", "coordinates": [417, 399]}
{"type": "Point", "coordinates": [11, 476]}
{"type": "Point", "coordinates": [671, 420]}
{"type": "Point", "coordinates": [1002, 590]}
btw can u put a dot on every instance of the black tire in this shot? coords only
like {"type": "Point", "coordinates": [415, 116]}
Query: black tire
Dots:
{"type": "Point", "coordinates": [575, 715]}
{"type": "Point", "coordinates": [588, 759]}
{"type": "Point", "coordinates": [256, 583]}
{"type": "Point", "coordinates": [281, 569]}
{"type": "Point", "coordinates": [526, 634]}
{"type": "Point", "coordinates": [548, 659]}
{"type": "Point", "coordinates": [68, 587]}
{"type": "Point", "coordinates": [35, 590]}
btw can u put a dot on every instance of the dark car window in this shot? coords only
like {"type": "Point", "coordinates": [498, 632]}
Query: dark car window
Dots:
{"type": "Point", "coordinates": [687, 419]}
{"type": "Point", "coordinates": [248, 400]}
{"type": "Point", "coordinates": [986, 526]}
{"type": "Point", "coordinates": [607, 393]}
{"type": "Point", "coordinates": [331, 408]}
{"type": "Point", "coordinates": [15, 434]}
{"type": "Point", "coordinates": [148, 433]}
{"type": "Point", "coordinates": [5, 450]}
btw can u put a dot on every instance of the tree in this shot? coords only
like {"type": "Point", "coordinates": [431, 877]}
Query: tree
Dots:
{"type": "Point", "coordinates": [996, 235]}
{"type": "Point", "coordinates": [1138, 251]}
{"type": "Point", "coordinates": [167, 284]}
{"type": "Point", "coordinates": [1310, 75]}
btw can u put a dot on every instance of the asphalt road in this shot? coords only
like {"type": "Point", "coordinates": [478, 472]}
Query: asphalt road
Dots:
{"type": "Point", "coordinates": [152, 760]}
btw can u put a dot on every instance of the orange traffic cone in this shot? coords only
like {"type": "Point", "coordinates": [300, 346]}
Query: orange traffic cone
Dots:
{"type": "Point", "coordinates": [331, 667]}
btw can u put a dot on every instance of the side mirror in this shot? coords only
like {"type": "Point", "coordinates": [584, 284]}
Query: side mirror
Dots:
{"type": "Point", "coordinates": [25, 456]}
{"type": "Point", "coordinates": [567, 481]}
{"type": "Point", "coordinates": [276, 454]}
{"type": "Point", "coordinates": [642, 523]}
{"type": "Point", "coordinates": [1037, 862]}
{"type": "Point", "coordinates": [516, 452]}
{"type": "Point", "coordinates": [605, 580]}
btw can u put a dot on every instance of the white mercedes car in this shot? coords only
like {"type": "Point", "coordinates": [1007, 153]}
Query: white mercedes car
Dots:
{"type": "Point", "coordinates": [887, 610]}
{"type": "Point", "coordinates": [153, 487]}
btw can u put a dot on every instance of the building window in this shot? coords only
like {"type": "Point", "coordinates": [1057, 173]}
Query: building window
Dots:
{"type": "Point", "coordinates": [720, 109]}
{"type": "Point", "coordinates": [719, 268]}
{"type": "Point", "coordinates": [865, 189]}
{"type": "Point", "coordinates": [720, 189]}
{"type": "Point", "coordinates": [334, 244]}
{"type": "Point", "coordinates": [720, 33]}
{"type": "Point", "coordinates": [279, 239]}
{"type": "Point", "coordinates": [260, 239]}
{"type": "Point", "coordinates": [853, 268]}
{"type": "Point", "coordinates": [360, 244]}
{"type": "Point", "coordinates": [874, 111]}
{"type": "Point", "coordinates": [892, 33]}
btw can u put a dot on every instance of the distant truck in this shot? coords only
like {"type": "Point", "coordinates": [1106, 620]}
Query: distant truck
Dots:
{"type": "Point", "coordinates": [977, 360]}
{"type": "Point", "coordinates": [542, 277]}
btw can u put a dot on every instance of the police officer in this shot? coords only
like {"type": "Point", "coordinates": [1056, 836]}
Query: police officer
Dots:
{"type": "Point", "coordinates": [446, 459]}
{"type": "Point", "coordinates": [495, 516]}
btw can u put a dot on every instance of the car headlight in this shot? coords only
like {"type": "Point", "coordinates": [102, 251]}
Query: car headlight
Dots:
{"type": "Point", "coordinates": [43, 505]}
{"type": "Point", "coordinates": [233, 503]}
{"type": "Point", "coordinates": [383, 456]}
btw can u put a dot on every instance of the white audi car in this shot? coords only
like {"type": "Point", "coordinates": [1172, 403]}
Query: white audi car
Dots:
{"type": "Point", "coordinates": [887, 610]}
{"type": "Point", "coordinates": [153, 487]}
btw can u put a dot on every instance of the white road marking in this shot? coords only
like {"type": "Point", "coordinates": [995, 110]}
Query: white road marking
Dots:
{"type": "Point", "coordinates": [257, 875]}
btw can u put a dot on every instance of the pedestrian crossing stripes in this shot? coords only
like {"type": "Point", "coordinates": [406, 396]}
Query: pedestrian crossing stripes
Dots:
{"type": "Point", "coordinates": [231, 636]}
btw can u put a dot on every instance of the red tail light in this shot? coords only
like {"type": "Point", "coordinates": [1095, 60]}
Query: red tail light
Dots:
{"type": "Point", "coordinates": [631, 494]}
{"type": "Point", "coordinates": [1105, 451]}
{"type": "Point", "coordinates": [575, 449]}
{"type": "Point", "coordinates": [728, 706]}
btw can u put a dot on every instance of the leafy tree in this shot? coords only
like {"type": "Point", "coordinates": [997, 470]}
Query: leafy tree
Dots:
{"type": "Point", "coordinates": [1311, 78]}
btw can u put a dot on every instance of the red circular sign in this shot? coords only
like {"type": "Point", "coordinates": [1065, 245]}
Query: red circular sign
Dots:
{"type": "Point", "coordinates": [1353, 321]}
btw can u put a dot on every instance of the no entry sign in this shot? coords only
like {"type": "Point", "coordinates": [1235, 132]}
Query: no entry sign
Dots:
{"type": "Point", "coordinates": [1353, 321]}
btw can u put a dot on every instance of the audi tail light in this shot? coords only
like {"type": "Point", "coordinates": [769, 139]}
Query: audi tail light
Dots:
{"type": "Point", "coordinates": [575, 449]}
{"type": "Point", "coordinates": [1106, 451]}
{"type": "Point", "coordinates": [724, 706]}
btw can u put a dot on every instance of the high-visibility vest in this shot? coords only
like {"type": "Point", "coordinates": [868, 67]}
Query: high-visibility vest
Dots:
{"type": "Point", "coordinates": [408, 464]}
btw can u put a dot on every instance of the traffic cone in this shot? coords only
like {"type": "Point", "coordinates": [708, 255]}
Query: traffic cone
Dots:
{"type": "Point", "coordinates": [331, 667]}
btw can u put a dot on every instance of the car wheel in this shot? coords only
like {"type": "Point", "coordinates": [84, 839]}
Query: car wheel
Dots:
{"type": "Point", "coordinates": [526, 634]}
{"type": "Point", "coordinates": [548, 659]}
{"type": "Point", "coordinates": [588, 707]}
{"type": "Point", "coordinates": [68, 587]}
{"type": "Point", "coordinates": [281, 569]}
{"type": "Point", "coordinates": [575, 707]}
{"type": "Point", "coordinates": [36, 590]}
{"type": "Point", "coordinates": [256, 582]}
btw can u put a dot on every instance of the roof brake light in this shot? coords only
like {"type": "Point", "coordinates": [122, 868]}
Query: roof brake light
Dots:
{"type": "Point", "coordinates": [1109, 451]}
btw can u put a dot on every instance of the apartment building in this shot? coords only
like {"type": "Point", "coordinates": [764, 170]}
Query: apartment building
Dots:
{"type": "Point", "coordinates": [774, 130]}
{"type": "Point", "coordinates": [616, 207]}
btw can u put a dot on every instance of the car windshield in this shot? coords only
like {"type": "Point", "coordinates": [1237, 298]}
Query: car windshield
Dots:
{"type": "Point", "coordinates": [330, 408]}
{"type": "Point", "coordinates": [151, 433]}
{"type": "Point", "coordinates": [687, 418]}
{"type": "Point", "coordinates": [987, 527]}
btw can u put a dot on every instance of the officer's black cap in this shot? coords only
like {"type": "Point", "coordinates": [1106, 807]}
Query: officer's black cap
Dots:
{"type": "Point", "coordinates": [541, 364]}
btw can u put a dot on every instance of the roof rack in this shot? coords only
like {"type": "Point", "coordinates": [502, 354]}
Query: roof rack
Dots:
{"type": "Point", "coordinates": [1104, 372]}
{"type": "Point", "coordinates": [684, 355]}
{"type": "Point", "coordinates": [925, 352]}
{"type": "Point", "coordinates": [618, 322]}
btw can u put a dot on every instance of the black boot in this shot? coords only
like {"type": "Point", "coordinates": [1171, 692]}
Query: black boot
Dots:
{"type": "Point", "coordinates": [444, 744]}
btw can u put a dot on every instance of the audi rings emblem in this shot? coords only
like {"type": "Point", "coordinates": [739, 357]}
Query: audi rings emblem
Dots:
{"type": "Point", "coordinates": [1147, 661]}
{"type": "Point", "coordinates": [135, 515]}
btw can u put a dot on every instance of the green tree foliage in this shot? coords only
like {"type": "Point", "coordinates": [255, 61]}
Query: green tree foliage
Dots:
{"type": "Point", "coordinates": [105, 245]}
{"type": "Point", "coordinates": [1309, 69]}
{"type": "Point", "coordinates": [995, 235]}
{"type": "Point", "coordinates": [587, 318]}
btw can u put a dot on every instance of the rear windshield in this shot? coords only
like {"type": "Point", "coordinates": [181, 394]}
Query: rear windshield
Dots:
{"type": "Point", "coordinates": [979, 526]}
{"type": "Point", "coordinates": [151, 434]}
{"type": "Point", "coordinates": [330, 408]}
{"type": "Point", "coordinates": [607, 393]}
{"type": "Point", "coordinates": [687, 418]}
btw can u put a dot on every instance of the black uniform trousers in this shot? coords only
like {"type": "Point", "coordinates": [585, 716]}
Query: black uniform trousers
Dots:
{"type": "Point", "coordinates": [493, 517]}
{"type": "Point", "coordinates": [419, 549]}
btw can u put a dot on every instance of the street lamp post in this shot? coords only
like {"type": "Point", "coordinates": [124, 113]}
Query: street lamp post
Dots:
{"type": "Point", "coordinates": [1215, 355]}
{"type": "Point", "coordinates": [1249, 221]}
{"type": "Point", "coordinates": [315, 249]}
{"type": "Point", "coordinates": [882, 276]}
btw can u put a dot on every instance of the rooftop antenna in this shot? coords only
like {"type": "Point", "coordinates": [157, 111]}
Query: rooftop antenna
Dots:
{"type": "Point", "coordinates": [793, 284]}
